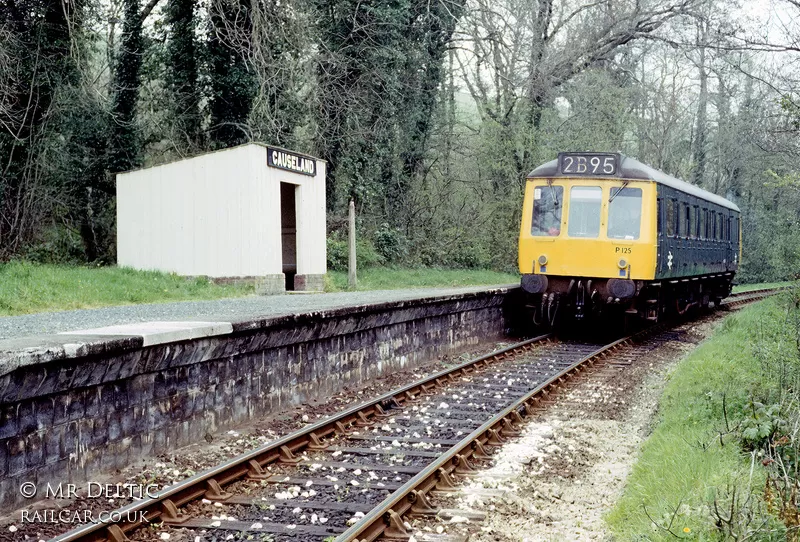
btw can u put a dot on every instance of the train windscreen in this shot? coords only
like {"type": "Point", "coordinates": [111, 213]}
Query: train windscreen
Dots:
{"type": "Point", "coordinates": [585, 203]}
{"type": "Point", "coordinates": [625, 213]}
{"type": "Point", "coordinates": [547, 204]}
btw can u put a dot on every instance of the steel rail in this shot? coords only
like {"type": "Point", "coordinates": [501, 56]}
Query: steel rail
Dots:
{"type": "Point", "coordinates": [386, 518]}
{"type": "Point", "coordinates": [752, 295]}
{"type": "Point", "coordinates": [165, 505]}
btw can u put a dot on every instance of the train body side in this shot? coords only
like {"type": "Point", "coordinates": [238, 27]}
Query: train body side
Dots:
{"type": "Point", "coordinates": [696, 237]}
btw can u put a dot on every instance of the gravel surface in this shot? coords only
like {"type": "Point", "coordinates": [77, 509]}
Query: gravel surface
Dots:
{"type": "Point", "coordinates": [565, 472]}
{"type": "Point", "coordinates": [219, 310]}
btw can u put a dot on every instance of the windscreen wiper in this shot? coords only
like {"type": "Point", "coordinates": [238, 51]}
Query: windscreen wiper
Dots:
{"type": "Point", "coordinates": [552, 192]}
{"type": "Point", "coordinates": [615, 194]}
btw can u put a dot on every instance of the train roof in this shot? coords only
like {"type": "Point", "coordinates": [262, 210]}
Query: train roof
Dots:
{"type": "Point", "coordinates": [633, 169]}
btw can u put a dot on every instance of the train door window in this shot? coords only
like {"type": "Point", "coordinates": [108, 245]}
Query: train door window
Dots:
{"type": "Point", "coordinates": [671, 217]}
{"type": "Point", "coordinates": [728, 229]}
{"type": "Point", "coordinates": [625, 213]}
{"type": "Point", "coordinates": [585, 203]}
{"type": "Point", "coordinates": [719, 226]}
{"type": "Point", "coordinates": [547, 204]}
{"type": "Point", "coordinates": [704, 223]}
{"type": "Point", "coordinates": [660, 215]}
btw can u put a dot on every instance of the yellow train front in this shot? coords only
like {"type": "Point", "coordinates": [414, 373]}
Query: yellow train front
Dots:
{"type": "Point", "coordinates": [604, 234]}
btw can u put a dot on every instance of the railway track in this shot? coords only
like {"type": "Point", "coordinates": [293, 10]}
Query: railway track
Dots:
{"type": "Point", "coordinates": [359, 473]}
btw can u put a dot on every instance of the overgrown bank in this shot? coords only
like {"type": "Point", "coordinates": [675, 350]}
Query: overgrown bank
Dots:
{"type": "Point", "coordinates": [721, 461]}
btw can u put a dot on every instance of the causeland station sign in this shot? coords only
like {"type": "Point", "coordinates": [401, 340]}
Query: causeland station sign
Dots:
{"type": "Point", "coordinates": [291, 161]}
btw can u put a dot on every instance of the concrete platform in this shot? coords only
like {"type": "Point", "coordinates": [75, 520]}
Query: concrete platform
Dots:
{"type": "Point", "coordinates": [231, 310]}
{"type": "Point", "coordinates": [100, 388]}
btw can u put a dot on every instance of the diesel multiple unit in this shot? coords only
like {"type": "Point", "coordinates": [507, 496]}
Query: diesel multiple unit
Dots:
{"type": "Point", "coordinates": [604, 233]}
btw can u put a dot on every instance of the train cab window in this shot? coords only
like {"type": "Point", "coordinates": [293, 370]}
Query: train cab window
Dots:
{"type": "Point", "coordinates": [671, 217]}
{"type": "Point", "coordinates": [625, 213]}
{"type": "Point", "coordinates": [585, 203]}
{"type": "Point", "coordinates": [548, 200]}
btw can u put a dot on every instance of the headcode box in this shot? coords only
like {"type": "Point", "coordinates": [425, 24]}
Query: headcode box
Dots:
{"type": "Point", "coordinates": [248, 212]}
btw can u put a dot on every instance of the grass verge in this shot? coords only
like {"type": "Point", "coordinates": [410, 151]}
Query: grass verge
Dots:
{"type": "Point", "coordinates": [27, 287]}
{"type": "Point", "coordinates": [694, 478]}
{"type": "Point", "coordinates": [387, 278]}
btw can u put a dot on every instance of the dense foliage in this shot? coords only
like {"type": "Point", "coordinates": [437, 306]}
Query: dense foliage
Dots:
{"type": "Point", "coordinates": [429, 113]}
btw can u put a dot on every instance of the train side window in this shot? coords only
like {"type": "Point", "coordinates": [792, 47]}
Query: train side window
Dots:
{"type": "Point", "coordinates": [671, 217]}
{"type": "Point", "coordinates": [686, 224]}
{"type": "Point", "coordinates": [703, 223]}
{"type": "Point", "coordinates": [719, 226]}
{"type": "Point", "coordinates": [625, 213]}
{"type": "Point", "coordinates": [548, 200]}
{"type": "Point", "coordinates": [697, 222]}
{"type": "Point", "coordinates": [585, 203]}
{"type": "Point", "coordinates": [713, 224]}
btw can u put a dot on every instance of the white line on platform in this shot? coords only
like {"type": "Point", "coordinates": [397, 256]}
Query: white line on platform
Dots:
{"type": "Point", "coordinates": [160, 332]}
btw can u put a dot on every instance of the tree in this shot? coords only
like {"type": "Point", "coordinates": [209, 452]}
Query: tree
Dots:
{"type": "Point", "coordinates": [379, 73]}
{"type": "Point", "coordinates": [232, 83]}
{"type": "Point", "coordinates": [518, 54]}
{"type": "Point", "coordinates": [182, 73]}
{"type": "Point", "coordinates": [37, 57]}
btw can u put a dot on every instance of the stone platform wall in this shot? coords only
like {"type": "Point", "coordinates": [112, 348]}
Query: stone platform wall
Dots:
{"type": "Point", "coordinates": [70, 411]}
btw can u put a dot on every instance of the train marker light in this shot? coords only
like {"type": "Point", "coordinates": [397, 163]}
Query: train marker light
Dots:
{"type": "Point", "coordinates": [542, 260]}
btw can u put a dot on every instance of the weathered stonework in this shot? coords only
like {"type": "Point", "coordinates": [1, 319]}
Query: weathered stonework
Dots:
{"type": "Point", "coordinates": [271, 284]}
{"type": "Point", "coordinates": [309, 283]}
{"type": "Point", "coordinates": [74, 407]}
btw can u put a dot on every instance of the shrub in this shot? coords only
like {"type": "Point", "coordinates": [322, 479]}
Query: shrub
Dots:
{"type": "Point", "coordinates": [366, 255]}
{"type": "Point", "coordinates": [391, 244]}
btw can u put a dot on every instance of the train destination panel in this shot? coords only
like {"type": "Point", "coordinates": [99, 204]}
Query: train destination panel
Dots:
{"type": "Point", "coordinates": [581, 163]}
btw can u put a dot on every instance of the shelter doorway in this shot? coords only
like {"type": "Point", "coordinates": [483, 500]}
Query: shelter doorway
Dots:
{"type": "Point", "coordinates": [289, 232]}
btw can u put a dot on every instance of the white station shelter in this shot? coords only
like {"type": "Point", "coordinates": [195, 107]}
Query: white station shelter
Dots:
{"type": "Point", "coordinates": [251, 212]}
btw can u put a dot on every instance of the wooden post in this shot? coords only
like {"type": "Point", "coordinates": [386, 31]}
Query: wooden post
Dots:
{"type": "Point", "coordinates": [352, 281]}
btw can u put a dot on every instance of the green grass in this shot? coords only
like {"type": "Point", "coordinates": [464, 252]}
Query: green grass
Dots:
{"type": "Point", "coordinates": [685, 464]}
{"type": "Point", "coordinates": [748, 287]}
{"type": "Point", "coordinates": [386, 278]}
{"type": "Point", "coordinates": [27, 287]}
